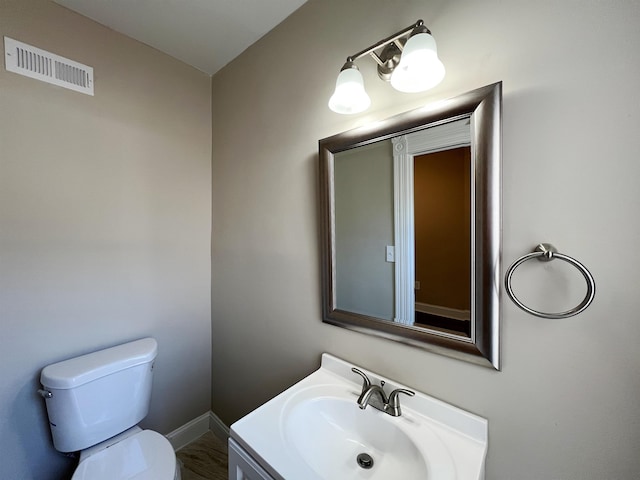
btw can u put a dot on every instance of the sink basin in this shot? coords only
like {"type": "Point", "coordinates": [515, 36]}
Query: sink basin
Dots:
{"type": "Point", "coordinates": [315, 431]}
{"type": "Point", "coordinates": [330, 432]}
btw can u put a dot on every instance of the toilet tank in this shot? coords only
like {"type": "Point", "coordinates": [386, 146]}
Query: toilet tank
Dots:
{"type": "Point", "coordinates": [98, 395]}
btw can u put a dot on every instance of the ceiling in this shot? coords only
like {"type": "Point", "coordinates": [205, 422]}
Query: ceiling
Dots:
{"type": "Point", "coordinates": [206, 34]}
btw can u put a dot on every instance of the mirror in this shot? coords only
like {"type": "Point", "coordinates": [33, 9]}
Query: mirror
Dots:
{"type": "Point", "coordinates": [411, 227]}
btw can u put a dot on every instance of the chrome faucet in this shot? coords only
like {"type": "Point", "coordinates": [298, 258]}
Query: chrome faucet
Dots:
{"type": "Point", "coordinates": [375, 396]}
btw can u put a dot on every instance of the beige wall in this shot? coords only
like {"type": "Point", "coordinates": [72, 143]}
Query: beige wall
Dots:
{"type": "Point", "coordinates": [565, 405]}
{"type": "Point", "coordinates": [104, 224]}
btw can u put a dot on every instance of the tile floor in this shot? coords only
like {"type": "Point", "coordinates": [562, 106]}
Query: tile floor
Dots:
{"type": "Point", "coordinates": [204, 459]}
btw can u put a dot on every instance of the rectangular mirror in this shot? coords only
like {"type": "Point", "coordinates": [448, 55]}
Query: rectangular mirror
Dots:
{"type": "Point", "coordinates": [411, 227]}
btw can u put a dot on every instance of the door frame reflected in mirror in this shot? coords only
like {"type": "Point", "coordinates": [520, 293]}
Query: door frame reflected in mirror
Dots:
{"type": "Point", "coordinates": [483, 109]}
{"type": "Point", "coordinates": [406, 148]}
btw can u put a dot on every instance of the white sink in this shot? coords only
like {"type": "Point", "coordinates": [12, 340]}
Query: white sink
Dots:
{"type": "Point", "coordinates": [315, 430]}
{"type": "Point", "coordinates": [328, 430]}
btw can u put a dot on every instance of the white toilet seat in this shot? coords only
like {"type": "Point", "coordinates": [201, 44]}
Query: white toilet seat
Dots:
{"type": "Point", "coordinates": [146, 455]}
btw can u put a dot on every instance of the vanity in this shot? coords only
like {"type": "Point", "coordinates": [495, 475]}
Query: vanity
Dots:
{"type": "Point", "coordinates": [343, 421]}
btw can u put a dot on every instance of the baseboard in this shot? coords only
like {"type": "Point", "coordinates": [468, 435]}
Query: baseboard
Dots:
{"type": "Point", "coordinates": [443, 311]}
{"type": "Point", "coordinates": [218, 427]}
{"type": "Point", "coordinates": [197, 427]}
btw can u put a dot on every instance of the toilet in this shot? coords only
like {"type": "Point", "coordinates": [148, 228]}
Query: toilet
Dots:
{"type": "Point", "coordinates": [94, 403]}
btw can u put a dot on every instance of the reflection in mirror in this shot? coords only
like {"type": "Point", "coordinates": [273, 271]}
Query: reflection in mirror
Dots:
{"type": "Point", "coordinates": [363, 185]}
{"type": "Point", "coordinates": [411, 220]}
{"type": "Point", "coordinates": [442, 220]}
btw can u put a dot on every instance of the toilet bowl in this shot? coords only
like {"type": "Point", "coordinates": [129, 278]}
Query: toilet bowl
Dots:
{"type": "Point", "coordinates": [136, 453]}
{"type": "Point", "coordinates": [94, 403]}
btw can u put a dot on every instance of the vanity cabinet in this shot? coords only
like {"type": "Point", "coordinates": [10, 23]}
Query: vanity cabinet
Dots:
{"type": "Point", "coordinates": [242, 466]}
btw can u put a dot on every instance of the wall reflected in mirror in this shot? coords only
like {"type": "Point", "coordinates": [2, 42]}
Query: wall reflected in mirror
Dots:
{"type": "Point", "coordinates": [364, 229]}
{"type": "Point", "coordinates": [442, 208]}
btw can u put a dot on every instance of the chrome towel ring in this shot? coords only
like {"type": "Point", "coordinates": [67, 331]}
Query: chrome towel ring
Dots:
{"type": "Point", "coordinates": [546, 252]}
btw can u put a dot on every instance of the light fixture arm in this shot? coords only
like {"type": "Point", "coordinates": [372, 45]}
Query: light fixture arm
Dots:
{"type": "Point", "coordinates": [384, 42]}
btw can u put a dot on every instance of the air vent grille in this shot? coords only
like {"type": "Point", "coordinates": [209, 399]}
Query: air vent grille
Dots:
{"type": "Point", "coordinates": [45, 66]}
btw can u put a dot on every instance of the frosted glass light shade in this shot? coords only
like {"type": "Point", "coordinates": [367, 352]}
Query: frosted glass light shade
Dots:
{"type": "Point", "coordinates": [420, 68]}
{"type": "Point", "coordinates": [350, 95]}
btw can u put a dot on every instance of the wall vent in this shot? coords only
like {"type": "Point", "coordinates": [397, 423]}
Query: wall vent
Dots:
{"type": "Point", "coordinates": [33, 62]}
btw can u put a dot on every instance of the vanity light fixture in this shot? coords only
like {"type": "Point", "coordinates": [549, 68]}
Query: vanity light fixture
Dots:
{"type": "Point", "coordinates": [408, 59]}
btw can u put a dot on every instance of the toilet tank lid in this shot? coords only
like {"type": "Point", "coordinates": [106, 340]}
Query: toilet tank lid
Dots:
{"type": "Point", "coordinates": [86, 368]}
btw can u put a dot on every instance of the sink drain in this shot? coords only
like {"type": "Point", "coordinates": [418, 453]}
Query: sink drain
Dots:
{"type": "Point", "coordinates": [365, 461]}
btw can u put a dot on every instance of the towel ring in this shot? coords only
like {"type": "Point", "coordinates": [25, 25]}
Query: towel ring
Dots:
{"type": "Point", "coordinates": [546, 252]}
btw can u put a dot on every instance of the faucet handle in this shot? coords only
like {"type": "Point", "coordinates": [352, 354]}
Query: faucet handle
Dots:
{"type": "Point", "coordinates": [394, 401]}
{"type": "Point", "coordinates": [366, 382]}
{"type": "Point", "coordinates": [393, 397]}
